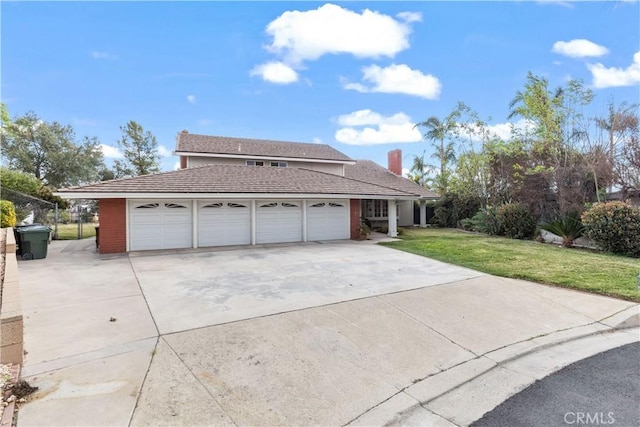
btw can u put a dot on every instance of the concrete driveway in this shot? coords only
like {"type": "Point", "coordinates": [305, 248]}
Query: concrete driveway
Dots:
{"type": "Point", "coordinates": [313, 334]}
{"type": "Point", "coordinates": [187, 290]}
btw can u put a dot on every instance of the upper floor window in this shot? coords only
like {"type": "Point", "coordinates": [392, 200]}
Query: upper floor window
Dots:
{"type": "Point", "coordinates": [279, 164]}
{"type": "Point", "coordinates": [255, 163]}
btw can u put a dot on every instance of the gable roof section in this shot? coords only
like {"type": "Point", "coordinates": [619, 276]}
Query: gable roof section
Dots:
{"type": "Point", "coordinates": [371, 172]}
{"type": "Point", "coordinates": [227, 179]}
{"type": "Point", "coordinates": [189, 143]}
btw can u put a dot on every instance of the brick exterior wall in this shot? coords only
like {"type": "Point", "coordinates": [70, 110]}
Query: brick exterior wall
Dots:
{"type": "Point", "coordinates": [354, 216]}
{"type": "Point", "coordinates": [183, 162]}
{"type": "Point", "coordinates": [113, 226]}
{"type": "Point", "coordinates": [394, 159]}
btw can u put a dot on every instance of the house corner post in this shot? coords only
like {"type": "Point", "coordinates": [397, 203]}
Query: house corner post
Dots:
{"type": "Point", "coordinates": [393, 218]}
{"type": "Point", "coordinates": [423, 213]}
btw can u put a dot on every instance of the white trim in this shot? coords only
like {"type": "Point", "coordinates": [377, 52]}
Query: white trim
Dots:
{"type": "Point", "coordinates": [194, 222]}
{"type": "Point", "coordinates": [207, 196]}
{"type": "Point", "coordinates": [260, 157]}
{"type": "Point", "coordinates": [253, 211]}
{"type": "Point", "coordinates": [304, 220]}
{"type": "Point", "coordinates": [127, 227]}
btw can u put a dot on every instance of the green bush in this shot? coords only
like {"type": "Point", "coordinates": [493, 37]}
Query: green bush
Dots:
{"type": "Point", "coordinates": [7, 214]}
{"type": "Point", "coordinates": [516, 221]}
{"type": "Point", "coordinates": [484, 221]}
{"type": "Point", "coordinates": [614, 227]}
{"type": "Point", "coordinates": [452, 208]}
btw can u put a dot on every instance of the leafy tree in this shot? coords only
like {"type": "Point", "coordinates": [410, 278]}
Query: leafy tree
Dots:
{"type": "Point", "coordinates": [21, 183]}
{"type": "Point", "coordinates": [49, 151]}
{"type": "Point", "coordinates": [619, 145]}
{"type": "Point", "coordinates": [140, 150]}
{"type": "Point", "coordinates": [552, 175]}
{"type": "Point", "coordinates": [4, 115]}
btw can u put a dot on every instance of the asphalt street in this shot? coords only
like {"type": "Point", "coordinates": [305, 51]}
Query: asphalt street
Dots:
{"type": "Point", "coordinates": [601, 390]}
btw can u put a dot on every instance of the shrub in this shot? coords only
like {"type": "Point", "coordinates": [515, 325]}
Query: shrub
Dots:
{"type": "Point", "coordinates": [7, 214]}
{"type": "Point", "coordinates": [614, 227]}
{"type": "Point", "coordinates": [568, 227]}
{"type": "Point", "coordinates": [452, 208]}
{"type": "Point", "coordinates": [484, 221]}
{"type": "Point", "coordinates": [516, 221]}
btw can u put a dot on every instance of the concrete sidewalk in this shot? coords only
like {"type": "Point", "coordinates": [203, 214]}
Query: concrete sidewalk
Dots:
{"type": "Point", "coordinates": [437, 345]}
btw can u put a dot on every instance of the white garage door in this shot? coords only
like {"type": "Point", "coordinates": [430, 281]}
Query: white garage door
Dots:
{"type": "Point", "coordinates": [278, 221]}
{"type": "Point", "coordinates": [327, 220]}
{"type": "Point", "coordinates": [159, 224]}
{"type": "Point", "coordinates": [222, 223]}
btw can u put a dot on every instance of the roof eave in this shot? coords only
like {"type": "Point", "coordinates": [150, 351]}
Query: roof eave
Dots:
{"type": "Point", "coordinates": [159, 195]}
{"type": "Point", "coordinates": [261, 157]}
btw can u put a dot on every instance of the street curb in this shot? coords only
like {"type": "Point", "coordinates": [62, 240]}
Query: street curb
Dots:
{"type": "Point", "coordinates": [480, 384]}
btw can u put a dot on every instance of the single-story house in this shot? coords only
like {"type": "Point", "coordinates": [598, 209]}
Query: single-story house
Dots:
{"type": "Point", "coordinates": [237, 191]}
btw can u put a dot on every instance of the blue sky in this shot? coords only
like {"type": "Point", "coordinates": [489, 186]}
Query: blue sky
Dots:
{"type": "Point", "coordinates": [354, 75]}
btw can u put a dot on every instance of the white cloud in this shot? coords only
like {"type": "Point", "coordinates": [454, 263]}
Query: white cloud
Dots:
{"type": "Point", "coordinates": [164, 151]}
{"type": "Point", "coordinates": [103, 55]}
{"type": "Point", "coordinates": [366, 127]}
{"type": "Point", "coordinates": [316, 140]}
{"type": "Point", "coordinates": [176, 165]}
{"type": "Point", "coordinates": [398, 79]}
{"type": "Point", "coordinates": [275, 72]}
{"type": "Point", "coordinates": [111, 152]}
{"type": "Point", "coordinates": [579, 48]}
{"type": "Point", "coordinates": [191, 99]}
{"type": "Point", "coordinates": [612, 77]}
{"type": "Point", "coordinates": [331, 29]}
{"type": "Point", "coordinates": [410, 17]}
{"type": "Point", "coordinates": [205, 122]}
{"type": "Point", "coordinates": [405, 172]}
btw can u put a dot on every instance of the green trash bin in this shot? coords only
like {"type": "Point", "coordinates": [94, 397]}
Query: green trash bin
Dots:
{"type": "Point", "coordinates": [33, 241]}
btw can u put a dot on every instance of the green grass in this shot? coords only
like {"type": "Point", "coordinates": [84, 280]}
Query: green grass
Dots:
{"type": "Point", "coordinates": [70, 231]}
{"type": "Point", "coordinates": [589, 271]}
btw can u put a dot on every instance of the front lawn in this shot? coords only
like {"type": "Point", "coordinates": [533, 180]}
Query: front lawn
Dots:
{"type": "Point", "coordinates": [70, 231]}
{"type": "Point", "coordinates": [600, 273]}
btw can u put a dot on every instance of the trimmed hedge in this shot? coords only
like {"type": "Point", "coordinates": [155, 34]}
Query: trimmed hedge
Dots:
{"type": "Point", "coordinates": [614, 227]}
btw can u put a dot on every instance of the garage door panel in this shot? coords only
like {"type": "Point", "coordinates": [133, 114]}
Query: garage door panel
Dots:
{"type": "Point", "coordinates": [278, 221]}
{"type": "Point", "coordinates": [222, 223]}
{"type": "Point", "coordinates": [327, 220]}
{"type": "Point", "coordinates": [159, 225]}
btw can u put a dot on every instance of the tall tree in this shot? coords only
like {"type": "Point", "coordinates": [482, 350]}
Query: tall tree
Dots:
{"type": "Point", "coordinates": [553, 175]}
{"type": "Point", "coordinates": [620, 143]}
{"type": "Point", "coordinates": [140, 151]}
{"type": "Point", "coordinates": [438, 131]}
{"type": "Point", "coordinates": [419, 171]}
{"type": "Point", "coordinates": [49, 151]}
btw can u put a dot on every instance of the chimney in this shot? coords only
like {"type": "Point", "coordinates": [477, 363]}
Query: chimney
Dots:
{"type": "Point", "coordinates": [395, 161]}
{"type": "Point", "coordinates": [184, 131]}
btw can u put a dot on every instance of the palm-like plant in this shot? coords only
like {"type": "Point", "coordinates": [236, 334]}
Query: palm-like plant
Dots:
{"type": "Point", "coordinates": [437, 131]}
{"type": "Point", "coordinates": [419, 170]}
{"type": "Point", "coordinates": [568, 227]}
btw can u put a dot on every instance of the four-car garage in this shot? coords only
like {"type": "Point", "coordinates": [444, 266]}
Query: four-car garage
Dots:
{"type": "Point", "coordinates": [173, 224]}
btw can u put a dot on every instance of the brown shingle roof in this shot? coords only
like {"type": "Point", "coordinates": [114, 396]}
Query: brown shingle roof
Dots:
{"type": "Point", "coordinates": [193, 143]}
{"type": "Point", "coordinates": [239, 179]}
{"type": "Point", "coordinates": [371, 172]}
